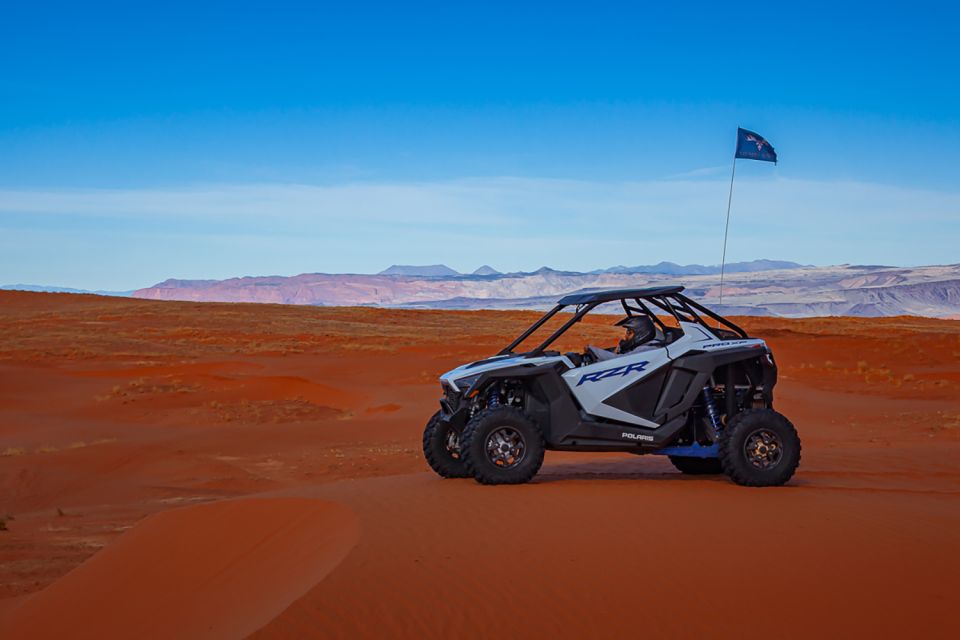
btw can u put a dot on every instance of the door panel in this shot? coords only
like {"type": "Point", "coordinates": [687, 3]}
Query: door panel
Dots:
{"type": "Point", "coordinates": [593, 384]}
{"type": "Point", "coordinates": [627, 388]}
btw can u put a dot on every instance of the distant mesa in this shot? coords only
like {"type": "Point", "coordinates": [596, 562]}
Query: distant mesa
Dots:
{"type": "Point", "coordinates": [173, 283]}
{"type": "Point", "coordinates": [424, 271]}
{"type": "Point", "coordinates": [486, 270]}
{"type": "Point", "coordinates": [674, 269]}
{"type": "Point", "coordinates": [39, 288]}
{"type": "Point", "coordinates": [762, 265]}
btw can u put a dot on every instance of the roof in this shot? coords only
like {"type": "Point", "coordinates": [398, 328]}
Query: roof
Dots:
{"type": "Point", "coordinates": [617, 294]}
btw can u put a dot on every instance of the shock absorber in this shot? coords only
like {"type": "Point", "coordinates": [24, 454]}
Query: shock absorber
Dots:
{"type": "Point", "coordinates": [711, 406]}
{"type": "Point", "coordinates": [493, 397]}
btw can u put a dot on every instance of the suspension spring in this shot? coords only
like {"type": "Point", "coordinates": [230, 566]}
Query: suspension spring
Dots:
{"type": "Point", "coordinates": [493, 397]}
{"type": "Point", "coordinates": [711, 405]}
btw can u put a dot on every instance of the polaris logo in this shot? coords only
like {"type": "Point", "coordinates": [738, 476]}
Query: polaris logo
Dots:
{"type": "Point", "coordinates": [636, 436]}
{"type": "Point", "coordinates": [613, 373]}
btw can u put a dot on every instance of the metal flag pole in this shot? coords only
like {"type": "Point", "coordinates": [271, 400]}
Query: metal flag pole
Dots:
{"type": "Point", "coordinates": [726, 228]}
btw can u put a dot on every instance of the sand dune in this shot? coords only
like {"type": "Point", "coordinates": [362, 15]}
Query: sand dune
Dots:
{"type": "Point", "coordinates": [217, 470]}
{"type": "Point", "coordinates": [219, 570]}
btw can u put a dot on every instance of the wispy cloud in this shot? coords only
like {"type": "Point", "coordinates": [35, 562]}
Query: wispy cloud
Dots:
{"type": "Point", "coordinates": [697, 173]}
{"type": "Point", "coordinates": [464, 201]}
{"type": "Point", "coordinates": [141, 235]}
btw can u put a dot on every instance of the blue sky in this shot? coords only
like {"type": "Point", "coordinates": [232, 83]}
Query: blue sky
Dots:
{"type": "Point", "coordinates": [209, 140]}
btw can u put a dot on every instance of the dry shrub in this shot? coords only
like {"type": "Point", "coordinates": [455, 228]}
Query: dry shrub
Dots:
{"type": "Point", "coordinates": [148, 386]}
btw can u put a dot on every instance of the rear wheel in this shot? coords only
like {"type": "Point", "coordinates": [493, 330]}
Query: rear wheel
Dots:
{"type": "Point", "coordinates": [441, 448]}
{"type": "Point", "coordinates": [696, 466]}
{"type": "Point", "coordinates": [502, 446]}
{"type": "Point", "coordinates": [760, 448]}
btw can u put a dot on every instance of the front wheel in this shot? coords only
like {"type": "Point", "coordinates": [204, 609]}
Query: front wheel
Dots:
{"type": "Point", "coordinates": [441, 448]}
{"type": "Point", "coordinates": [502, 446]}
{"type": "Point", "coordinates": [759, 448]}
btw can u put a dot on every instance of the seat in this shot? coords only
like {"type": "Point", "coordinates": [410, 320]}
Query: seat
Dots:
{"type": "Point", "coordinates": [601, 354]}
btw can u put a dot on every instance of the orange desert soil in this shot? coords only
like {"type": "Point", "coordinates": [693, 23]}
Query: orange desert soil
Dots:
{"type": "Point", "coordinates": [197, 470]}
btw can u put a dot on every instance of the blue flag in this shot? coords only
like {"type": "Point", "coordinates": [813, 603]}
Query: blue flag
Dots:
{"type": "Point", "coordinates": [754, 147]}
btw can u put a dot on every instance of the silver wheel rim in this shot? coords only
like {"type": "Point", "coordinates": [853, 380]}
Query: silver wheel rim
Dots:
{"type": "Point", "coordinates": [452, 444]}
{"type": "Point", "coordinates": [506, 447]}
{"type": "Point", "coordinates": [763, 449]}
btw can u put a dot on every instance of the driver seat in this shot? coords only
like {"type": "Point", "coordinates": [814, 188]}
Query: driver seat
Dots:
{"type": "Point", "coordinates": [601, 354]}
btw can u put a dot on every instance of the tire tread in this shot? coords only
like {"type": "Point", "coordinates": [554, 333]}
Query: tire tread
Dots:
{"type": "Point", "coordinates": [442, 464]}
{"type": "Point", "coordinates": [736, 467]}
{"type": "Point", "coordinates": [482, 475]}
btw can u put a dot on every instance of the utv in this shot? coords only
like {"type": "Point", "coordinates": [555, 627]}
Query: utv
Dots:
{"type": "Point", "coordinates": [700, 394]}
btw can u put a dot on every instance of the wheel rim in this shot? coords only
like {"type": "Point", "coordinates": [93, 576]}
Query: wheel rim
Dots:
{"type": "Point", "coordinates": [506, 447]}
{"type": "Point", "coordinates": [452, 444]}
{"type": "Point", "coordinates": [763, 449]}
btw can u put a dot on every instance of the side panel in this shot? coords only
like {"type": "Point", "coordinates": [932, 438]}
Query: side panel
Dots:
{"type": "Point", "coordinates": [593, 384]}
{"type": "Point", "coordinates": [626, 389]}
{"type": "Point", "coordinates": [677, 382]}
{"type": "Point", "coordinates": [675, 392]}
{"type": "Point", "coordinates": [640, 398]}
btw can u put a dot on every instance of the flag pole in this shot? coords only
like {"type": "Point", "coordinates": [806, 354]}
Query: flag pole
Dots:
{"type": "Point", "coordinates": [726, 228]}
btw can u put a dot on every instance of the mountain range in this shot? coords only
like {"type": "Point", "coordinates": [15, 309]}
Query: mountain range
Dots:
{"type": "Point", "coordinates": [666, 268]}
{"type": "Point", "coordinates": [762, 287]}
{"type": "Point", "coordinates": [758, 287]}
{"type": "Point", "coordinates": [672, 268]}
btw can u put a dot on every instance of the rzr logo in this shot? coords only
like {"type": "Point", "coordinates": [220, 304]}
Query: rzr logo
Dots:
{"type": "Point", "coordinates": [611, 373]}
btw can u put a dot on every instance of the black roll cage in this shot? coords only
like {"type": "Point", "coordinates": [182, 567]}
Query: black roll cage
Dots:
{"type": "Point", "coordinates": [682, 308]}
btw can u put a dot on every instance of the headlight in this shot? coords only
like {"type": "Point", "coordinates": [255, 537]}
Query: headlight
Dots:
{"type": "Point", "coordinates": [465, 383]}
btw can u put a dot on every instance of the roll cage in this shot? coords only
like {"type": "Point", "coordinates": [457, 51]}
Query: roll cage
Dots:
{"type": "Point", "coordinates": [634, 302]}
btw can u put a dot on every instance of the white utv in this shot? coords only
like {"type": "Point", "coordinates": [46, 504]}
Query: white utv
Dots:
{"type": "Point", "coordinates": [700, 394]}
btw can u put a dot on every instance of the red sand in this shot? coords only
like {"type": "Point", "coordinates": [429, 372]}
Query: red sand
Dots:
{"type": "Point", "coordinates": [219, 570]}
{"type": "Point", "coordinates": [229, 424]}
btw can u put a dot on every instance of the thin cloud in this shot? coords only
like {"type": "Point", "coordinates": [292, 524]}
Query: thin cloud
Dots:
{"type": "Point", "coordinates": [141, 236]}
{"type": "Point", "coordinates": [470, 201]}
{"type": "Point", "coordinates": [697, 173]}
